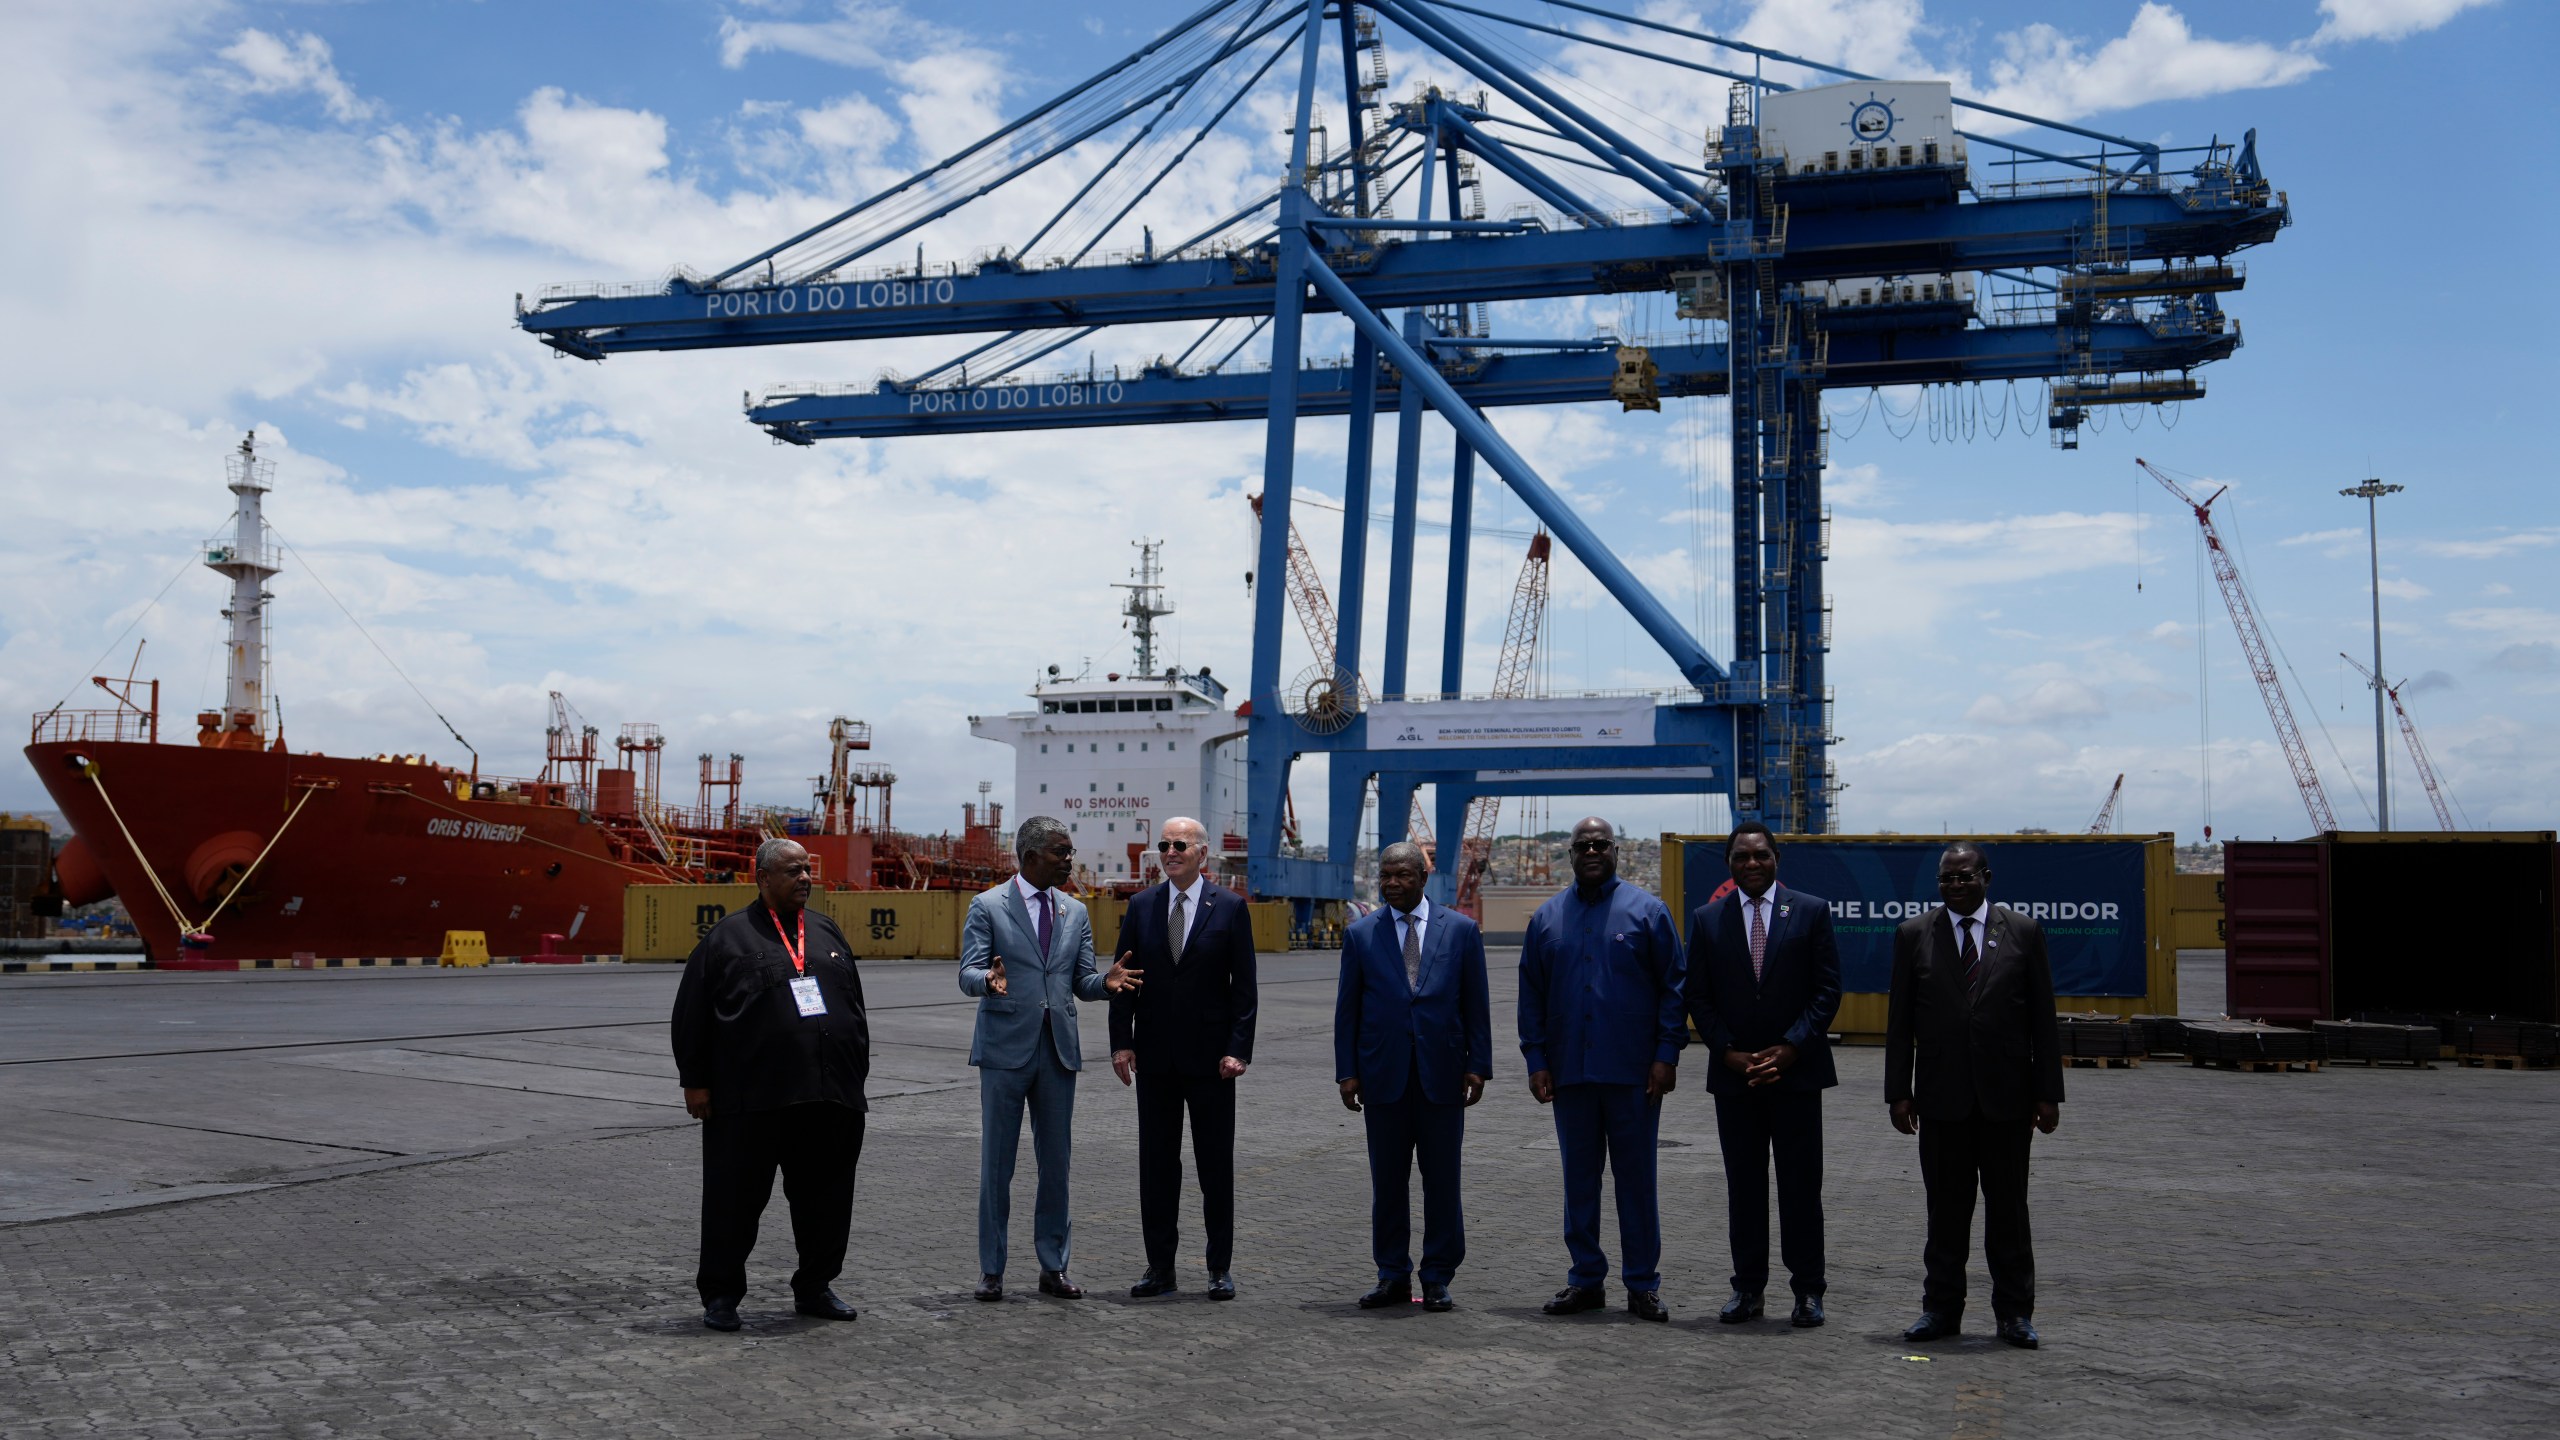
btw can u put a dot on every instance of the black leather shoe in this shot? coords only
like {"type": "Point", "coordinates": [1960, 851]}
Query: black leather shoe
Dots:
{"type": "Point", "coordinates": [1808, 1312]}
{"type": "Point", "coordinates": [1934, 1325]}
{"type": "Point", "coordinates": [1435, 1298]}
{"type": "Point", "coordinates": [1574, 1299]}
{"type": "Point", "coordinates": [1154, 1282]}
{"type": "Point", "coordinates": [1647, 1305]}
{"type": "Point", "coordinates": [825, 1305]}
{"type": "Point", "coordinates": [2018, 1330]}
{"type": "Point", "coordinates": [720, 1314]}
{"type": "Point", "coordinates": [1222, 1286]}
{"type": "Point", "coordinates": [1055, 1282]}
{"type": "Point", "coordinates": [1389, 1294]}
{"type": "Point", "coordinates": [1745, 1305]}
{"type": "Point", "coordinates": [990, 1287]}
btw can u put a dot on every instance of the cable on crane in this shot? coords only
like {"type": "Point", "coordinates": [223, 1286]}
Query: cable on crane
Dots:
{"type": "Point", "coordinates": [314, 573]}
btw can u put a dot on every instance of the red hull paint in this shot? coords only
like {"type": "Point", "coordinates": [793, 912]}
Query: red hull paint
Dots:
{"type": "Point", "coordinates": [382, 862]}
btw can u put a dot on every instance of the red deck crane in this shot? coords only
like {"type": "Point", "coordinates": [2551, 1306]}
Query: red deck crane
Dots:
{"type": "Point", "coordinates": [1510, 681]}
{"type": "Point", "coordinates": [2253, 643]}
{"type": "Point", "coordinates": [2409, 732]}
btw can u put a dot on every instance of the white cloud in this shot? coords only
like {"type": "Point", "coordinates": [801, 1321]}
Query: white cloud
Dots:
{"type": "Point", "coordinates": [2492, 547]}
{"type": "Point", "coordinates": [2399, 588]}
{"type": "Point", "coordinates": [2043, 71]}
{"type": "Point", "coordinates": [2515, 624]}
{"type": "Point", "coordinates": [2385, 19]}
{"type": "Point", "coordinates": [2052, 702]}
{"type": "Point", "coordinates": [270, 65]}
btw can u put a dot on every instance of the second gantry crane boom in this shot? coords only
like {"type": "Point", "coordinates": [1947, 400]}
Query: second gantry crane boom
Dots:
{"type": "Point", "coordinates": [2253, 644]}
{"type": "Point", "coordinates": [1510, 681]}
{"type": "Point", "coordinates": [2409, 732]}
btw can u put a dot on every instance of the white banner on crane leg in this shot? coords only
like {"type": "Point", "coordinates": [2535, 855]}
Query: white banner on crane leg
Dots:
{"type": "Point", "coordinates": [1502, 724]}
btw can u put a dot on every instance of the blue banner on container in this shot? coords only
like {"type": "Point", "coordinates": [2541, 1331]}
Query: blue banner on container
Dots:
{"type": "Point", "coordinates": [2086, 895]}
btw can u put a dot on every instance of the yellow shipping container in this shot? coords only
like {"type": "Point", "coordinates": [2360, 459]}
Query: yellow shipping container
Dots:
{"type": "Point", "coordinates": [898, 924]}
{"type": "Point", "coordinates": [1270, 925]}
{"type": "Point", "coordinates": [2196, 923]}
{"type": "Point", "coordinates": [665, 922]}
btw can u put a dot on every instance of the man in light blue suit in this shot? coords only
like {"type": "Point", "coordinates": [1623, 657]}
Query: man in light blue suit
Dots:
{"type": "Point", "coordinates": [1412, 1046]}
{"type": "Point", "coordinates": [1026, 1048]}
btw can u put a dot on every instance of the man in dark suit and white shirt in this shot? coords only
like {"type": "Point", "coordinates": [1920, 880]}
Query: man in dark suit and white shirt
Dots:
{"type": "Point", "coordinates": [1185, 1039]}
{"type": "Point", "coordinates": [1973, 993]}
{"type": "Point", "coordinates": [1763, 985]}
{"type": "Point", "coordinates": [1412, 1047]}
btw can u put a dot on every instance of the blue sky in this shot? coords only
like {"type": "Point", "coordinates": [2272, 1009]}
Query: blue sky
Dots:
{"type": "Point", "coordinates": [313, 218]}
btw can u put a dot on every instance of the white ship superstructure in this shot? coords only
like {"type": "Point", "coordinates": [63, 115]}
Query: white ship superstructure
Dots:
{"type": "Point", "coordinates": [1116, 756]}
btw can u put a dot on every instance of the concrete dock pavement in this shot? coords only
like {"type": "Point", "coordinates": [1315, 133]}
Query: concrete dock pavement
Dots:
{"type": "Point", "coordinates": [463, 1202]}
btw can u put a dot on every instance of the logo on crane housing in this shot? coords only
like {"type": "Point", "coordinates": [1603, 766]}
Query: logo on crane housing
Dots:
{"type": "Point", "coordinates": [1871, 120]}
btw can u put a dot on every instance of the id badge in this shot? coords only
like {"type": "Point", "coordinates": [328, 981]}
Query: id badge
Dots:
{"type": "Point", "coordinates": [805, 991]}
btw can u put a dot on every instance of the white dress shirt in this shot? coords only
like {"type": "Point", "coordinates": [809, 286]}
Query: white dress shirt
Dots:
{"type": "Point", "coordinates": [1032, 899]}
{"type": "Point", "coordinates": [1190, 897]}
{"type": "Point", "coordinates": [1421, 913]}
{"type": "Point", "coordinates": [1980, 915]}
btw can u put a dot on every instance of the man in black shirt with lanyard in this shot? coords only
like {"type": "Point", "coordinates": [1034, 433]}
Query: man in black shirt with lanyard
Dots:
{"type": "Point", "coordinates": [772, 1048]}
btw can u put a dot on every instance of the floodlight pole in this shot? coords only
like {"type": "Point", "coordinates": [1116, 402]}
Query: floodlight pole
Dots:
{"type": "Point", "coordinates": [2370, 492]}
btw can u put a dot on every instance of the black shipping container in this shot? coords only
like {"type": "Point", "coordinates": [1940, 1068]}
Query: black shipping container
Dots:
{"type": "Point", "coordinates": [2426, 923]}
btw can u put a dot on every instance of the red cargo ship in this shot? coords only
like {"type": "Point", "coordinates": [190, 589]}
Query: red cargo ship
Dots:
{"type": "Point", "coordinates": [237, 850]}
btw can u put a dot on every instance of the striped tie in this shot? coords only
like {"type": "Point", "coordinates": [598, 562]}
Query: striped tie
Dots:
{"type": "Point", "coordinates": [1759, 940]}
{"type": "Point", "coordinates": [1972, 957]}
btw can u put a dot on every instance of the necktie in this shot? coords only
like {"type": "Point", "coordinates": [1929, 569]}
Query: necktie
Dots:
{"type": "Point", "coordinates": [1413, 950]}
{"type": "Point", "coordinates": [1040, 903]}
{"type": "Point", "coordinates": [1972, 957]}
{"type": "Point", "coordinates": [1759, 940]}
{"type": "Point", "coordinates": [1181, 926]}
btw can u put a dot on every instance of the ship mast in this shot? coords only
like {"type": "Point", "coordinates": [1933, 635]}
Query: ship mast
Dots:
{"type": "Point", "coordinates": [1146, 604]}
{"type": "Point", "coordinates": [247, 560]}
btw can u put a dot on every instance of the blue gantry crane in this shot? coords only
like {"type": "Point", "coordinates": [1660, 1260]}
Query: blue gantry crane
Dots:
{"type": "Point", "coordinates": [1858, 233]}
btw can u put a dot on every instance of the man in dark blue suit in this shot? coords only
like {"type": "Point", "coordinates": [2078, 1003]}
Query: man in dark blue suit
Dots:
{"type": "Point", "coordinates": [1764, 983]}
{"type": "Point", "coordinates": [1185, 1037]}
{"type": "Point", "coordinates": [1412, 1046]}
{"type": "Point", "coordinates": [1600, 1025]}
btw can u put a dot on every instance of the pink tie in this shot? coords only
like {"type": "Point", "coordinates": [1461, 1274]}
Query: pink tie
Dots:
{"type": "Point", "coordinates": [1759, 939]}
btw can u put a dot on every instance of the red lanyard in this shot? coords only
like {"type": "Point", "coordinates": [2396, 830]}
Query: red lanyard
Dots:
{"type": "Point", "coordinates": [798, 953]}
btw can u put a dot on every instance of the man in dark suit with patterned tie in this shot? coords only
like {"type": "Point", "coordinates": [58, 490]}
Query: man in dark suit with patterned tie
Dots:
{"type": "Point", "coordinates": [1412, 1048]}
{"type": "Point", "coordinates": [1973, 995]}
{"type": "Point", "coordinates": [1763, 985]}
{"type": "Point", "coordinates": [1185, 1039]}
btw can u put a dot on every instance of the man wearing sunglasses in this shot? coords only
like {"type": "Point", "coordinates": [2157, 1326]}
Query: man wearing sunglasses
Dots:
{"type": "Point", "coordinates": [1183, 1031]}
{"type": "Point", "coordinates": [1026, 1045]}
{"type": "Point", "coordinates": [1601, 1025]}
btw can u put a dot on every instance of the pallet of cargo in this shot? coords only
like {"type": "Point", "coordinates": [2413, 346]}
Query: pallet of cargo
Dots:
{"type": "Point", "coordinates": [2269, 1067]}
{"type": "Point", "coordinates": [2104, 1062]}
{"type": "Point", "coordinates": [2245, 1044]}
{"type": "Point", "coordinates": [2370, 1042]}
{"type": "Point", "coordinates": [2502, 1062]}
{"type": "Point", "coordinates": [2158, 1034]}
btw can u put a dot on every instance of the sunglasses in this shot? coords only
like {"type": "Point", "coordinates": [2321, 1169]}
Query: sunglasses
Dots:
{"type": "Point", "coordinates": [1173, 847]}
{"type": "Point", "coordinates": [1593, 847]}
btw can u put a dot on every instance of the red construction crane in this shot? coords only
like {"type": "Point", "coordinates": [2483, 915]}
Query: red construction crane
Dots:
{"type": "Point", "coordinates": [2105, 824]}
{"type": "Point", "coordinates": [1510, 681]}
{"type": "Point", "coordinates": [1306, 592]}
{"type": "Point", "coordinates": [2409, 732]}
{"type": "Point", "coordinates": [2253, 643]}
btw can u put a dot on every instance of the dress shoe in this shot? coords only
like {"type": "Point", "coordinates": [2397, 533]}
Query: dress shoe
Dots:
{"type": "Point", "coordinates": [1389, 1294]}
{"type": "Point", "coordinates": [1574, 1299]}
{"type": "Point", "coordinates": [1647, 1305]}
{"type": "Point", "coordinates": [2018, 1330]}
{"type": "Point", "coordinates": [1222, 1286]}
{"type": "Point", "coordinates": [1745, 1305]}
{"type": "Point", "coordinates": [1154, 1282]}
{"type": "Point", "coordinates": [825, 1305]}
{"type": "Point", "coordinates": [720, 1314]}
{"type": "Point", "coordinates": [1808, 1312]}
{"type": "Point", "coordinates": [1435, 1298]}
{"type": "Point", "coordinates": [1934, 1325]}
{"type": "Point", "coordinates": [1055, 1282]}
{"type": "Point", "coordinates": [990, 1287]}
